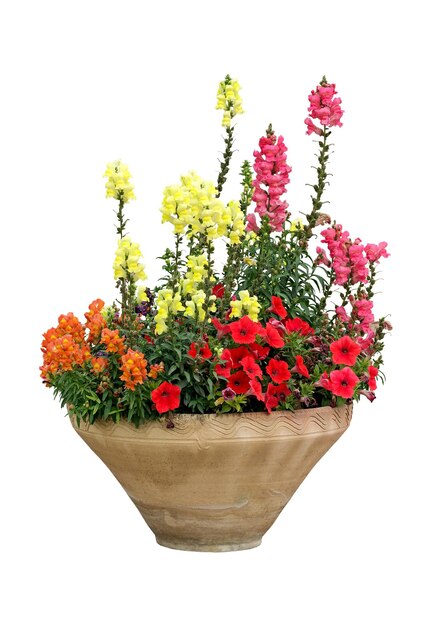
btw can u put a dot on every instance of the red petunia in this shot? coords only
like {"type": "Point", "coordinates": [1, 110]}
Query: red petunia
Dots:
{"type": "Point", "coordinates": [275, 394]}
{"type": "Point", "coordinates": [373, 372]}
{"type": "Point", "coordinates": [300, 367]}
{"type": "Point", "coordinates": [251, 368]}
{"type": "Point", "coordinates": [324, 382]}
{"type": "Point", "coordinates": [343, 382]}
{"type": "Point", "coordinates": [222, 329]}
{"type": "Point", "coordinates": [237, 354]}
{"type": "Point", "coordinates": [270, 400]}
{"type": "Point", "coordinates": [166, 397]}
{"type": "Point", "coordinates": [256, 390]}
{"type": "Point", "coordinates": [278, 371]}
{"type": "Point", "coordinates": [273, 338]}
{"type": "Point", "coordinates": [218, 290]}
{"type": "Point", "coordinates": [345, 351]}
{"type": "Point", "coordinates": [245, 330]}
{"type": "Point", "coordinates": [203, 351]}
{"type": "Point", "coordinates": [260, 352]}
{"type": "Point", "coordinates": [298, 325]}
{"type": "Point", "coordinates": [239, 382]}
{"type": "Point", "coordinates": [278, 307]}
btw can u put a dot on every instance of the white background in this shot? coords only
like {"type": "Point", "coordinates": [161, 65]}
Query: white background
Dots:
{"type": "Point", "coordinates": [88, 82]}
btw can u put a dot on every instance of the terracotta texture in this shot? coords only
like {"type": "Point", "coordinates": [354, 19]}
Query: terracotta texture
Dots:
{"type": "Point", "coordinates": [215, 482]}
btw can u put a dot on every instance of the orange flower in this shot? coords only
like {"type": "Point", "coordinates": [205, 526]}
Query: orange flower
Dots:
{"type": "Point", "coordinates": [62, 353]}
{"type": "Point", "coordinates": [70, 325]}
{"type": "Point", "coordinates": [113, 341]}
{"type": "Point", "coordinates": [99, 364]}
{"type": "Point", "coordinates": [95, 321]}
{"type": "Point", "coordinates": [155, 369]}
{"type": "Point", "coordinates": [133, 368]}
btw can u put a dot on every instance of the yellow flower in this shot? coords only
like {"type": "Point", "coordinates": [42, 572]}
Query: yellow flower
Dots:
{"type": "Point", "coordinates": [167, 302]}
{"type": "Point", "coordinates": [118, 185]}
{"type": "Point", "coordinates": [296, 224]}
{"type": "Point", "coordinates": [236, 307]}
{"type": "Point", "coordinates": [245, 305]}
{"type": "Point", "coordinates": [193, 207]}
{"type": "Point", "coordinates": [128, 260]}
{"type": "Point", "coordinates": [142, 294]}
{"type": "Point", "coordinates": [249, 261]}
{"type": "Point", "coordinates": [229, 99]}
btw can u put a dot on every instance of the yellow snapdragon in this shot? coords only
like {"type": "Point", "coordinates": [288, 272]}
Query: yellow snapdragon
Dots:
{"type": "Point", "coordinates": [197, 272]}
{"type": "Point", "coordinates": [128, 260]}
{"type": "Point", "coordinates": [237, 228]}
{"type": "Point", "coordinates": [142, 294]}
{"type": "Point", "coordinates": [245, 305]}
{"type": "Point", "coordinates": [296, 225]}
{"type": "Point", "coordinates": [118, 183]}
{"type": "Point", "coordinates": [229, 100]}
{"type": "Point", "coordinates": [167, 303]}
{"type": "Point", "coordinates": [195, 306]}
{"type": "Point", "coordinates": [192, 207]}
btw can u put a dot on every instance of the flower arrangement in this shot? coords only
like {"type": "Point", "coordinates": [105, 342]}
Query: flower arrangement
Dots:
{"type": "Point", "coordinates": [286, 323]}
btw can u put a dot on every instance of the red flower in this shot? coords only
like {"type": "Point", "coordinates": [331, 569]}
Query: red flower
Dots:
{"type": "Point", "coordinates": [300, 367]}
{"type": "Point", "coordinates": [281, 391]}
{"type": "Point", "coordinates": [278, 371]}
{"type": "Point", "coordinates": [166, 397]}
{"type": "Point", "coordinates": [298, 325]}
{"type": "Point", "coordinates": [236, 355]}
{"type": "Point", "coordinates": [222, 369]}
{"type": "Point", "coordinates": [373, 372]}
{"type": "Point", "coordinates": [251, 368]}
{"type": "Point", "coordinates": [239, 382]}
{"type": "Point", "coordinates": [271, 401]}
{"type": "Point", "coordinates": [245, 330]}
{"type": "Point", "coordinates": [218, 290]}
{"type": "Point", "coordinates": [203, 351]}
{"type": "Point", "coordinates": [278, 307]}
{"type": "Point", "coordinates": [343, 382]}
{"type": "Point", "coordinates": [273, 338]}
{"type": "Point", "coordinates": [324, 382]}
{"type": "Point", "coordinates": [345, 351]}
{"type": "Point", "coordinates": [256, 390]}
{"type": "Point", "coordinates": [275, 394]}
{"type": "Point", "coordinates": [222, 329]}
{"type": "Point", "coordinates": [260, 352]}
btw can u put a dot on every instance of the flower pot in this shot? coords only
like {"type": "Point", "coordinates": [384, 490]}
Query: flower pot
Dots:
{"type": "Point", "coordinates": [215, 482]}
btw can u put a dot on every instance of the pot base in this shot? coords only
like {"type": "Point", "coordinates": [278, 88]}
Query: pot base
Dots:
{"type": "Point", "coordinates": [194, 546]}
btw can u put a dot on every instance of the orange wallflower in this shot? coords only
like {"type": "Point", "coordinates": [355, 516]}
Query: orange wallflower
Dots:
{"type": "Point", "coordinates": [133, 368]}
{"type": "Point", "coordinates": [113, 341]}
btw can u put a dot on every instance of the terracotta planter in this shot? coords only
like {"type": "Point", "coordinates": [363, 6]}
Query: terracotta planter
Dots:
{"type": "Point", "coordinates": [215, 482]}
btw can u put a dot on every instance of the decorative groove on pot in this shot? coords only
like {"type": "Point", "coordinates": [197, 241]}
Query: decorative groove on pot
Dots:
{"type": "Point", "coordinates": [229, 425]}
{"type": "Point", "coordinates": [215, 482]}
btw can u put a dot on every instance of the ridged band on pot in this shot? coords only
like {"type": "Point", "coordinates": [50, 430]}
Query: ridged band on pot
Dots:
{"type": "Point", "coordinates": [215, 482]}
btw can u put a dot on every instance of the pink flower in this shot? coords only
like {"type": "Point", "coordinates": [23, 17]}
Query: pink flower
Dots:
{"type": "Point", "coordinates": [272, 175]}
{"type": "Point", "coordinates": [252, 225]}
{"type": "Point", "coordinates": [324, 106]}
{"type": "Point", "coordinates": [311, 127]}
{"type": "Point", "coordinates": [343, 382]}
{"type": "Point", "coordinates": [374, 252]}
{"type": "Point", "coordinates": [342, 314]}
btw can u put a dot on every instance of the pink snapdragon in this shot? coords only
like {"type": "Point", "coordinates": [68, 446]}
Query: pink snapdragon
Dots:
{"type": "Point", "coordinates": [324, 107]}
{"type": "Point", "coordinates": [374, 252]}
{"type": "Point", "coordinates": [362, 310]}
{"type": "Point", "coordinates": [348, 258]}
{"type": "Point", "coordinates": [272, 175]}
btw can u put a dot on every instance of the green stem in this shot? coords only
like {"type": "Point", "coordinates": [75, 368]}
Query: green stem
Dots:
{"type": "Point", "coordinates": [319, 187]}
{"type": "Point", "coordinates": [372, 280]}
{"type": "Point", "coordinates": [227, 156]}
